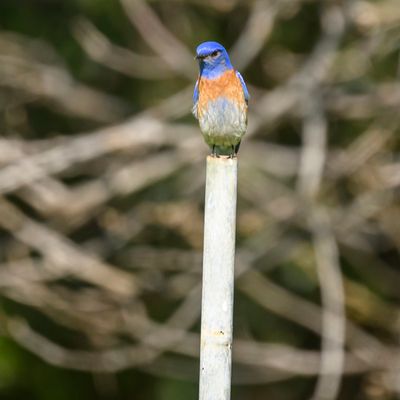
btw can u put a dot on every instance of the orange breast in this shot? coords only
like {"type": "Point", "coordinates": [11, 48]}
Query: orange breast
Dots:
{"type": "Point", "coordinates": [227, 85]}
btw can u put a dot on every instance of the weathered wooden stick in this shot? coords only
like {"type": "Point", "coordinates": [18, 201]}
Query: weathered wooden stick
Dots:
{"type": "Point", "coordinates": [218, 278]}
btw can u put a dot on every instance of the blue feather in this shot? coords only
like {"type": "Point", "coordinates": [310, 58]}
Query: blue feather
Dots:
{"type": "Point", "coordinates": [213, 60]}
{"type": "Point", "coordinates": [195, 98]}
{"type": "Point", "coordinates": [245, 91]}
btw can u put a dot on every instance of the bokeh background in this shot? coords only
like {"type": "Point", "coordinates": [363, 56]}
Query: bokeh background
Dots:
{"type": "Point", "coordinates": [102, 187]}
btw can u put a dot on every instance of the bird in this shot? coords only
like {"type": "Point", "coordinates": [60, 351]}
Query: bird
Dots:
{"type": "Point", "coordinates": [220, 100]}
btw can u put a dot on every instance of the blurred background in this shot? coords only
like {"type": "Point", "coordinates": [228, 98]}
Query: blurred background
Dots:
{"type": "Point", "coordinates": [102, 185]}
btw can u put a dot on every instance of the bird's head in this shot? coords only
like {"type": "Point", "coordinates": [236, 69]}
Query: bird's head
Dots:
{"type": "Point", "coordinates": [213, 59]}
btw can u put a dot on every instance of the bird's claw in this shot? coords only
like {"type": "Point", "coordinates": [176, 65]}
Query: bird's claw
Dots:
{"type": "Point", "coordinates": [214, 153]}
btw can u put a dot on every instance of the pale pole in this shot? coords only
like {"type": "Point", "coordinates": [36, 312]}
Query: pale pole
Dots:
{"type": "Point", "coordinates": [218, 278]}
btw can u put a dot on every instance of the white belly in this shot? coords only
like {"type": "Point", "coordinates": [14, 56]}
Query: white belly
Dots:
{"type": "Point", "coordinates": [224, 122]}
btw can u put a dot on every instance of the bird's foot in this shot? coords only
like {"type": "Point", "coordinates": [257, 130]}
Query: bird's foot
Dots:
{"type": "Point", "coordinates": [214, 152]}
{"type": "Point", "coordinates": [232, 153]}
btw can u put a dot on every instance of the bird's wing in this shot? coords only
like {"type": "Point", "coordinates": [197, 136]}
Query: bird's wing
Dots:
{"type": "Point", "coordinates": [244, 87]}
{"type": "Point", "coordinates": [195, 98]}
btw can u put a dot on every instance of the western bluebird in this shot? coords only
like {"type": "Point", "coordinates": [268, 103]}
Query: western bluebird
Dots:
{"type": "Point", "coordinates": [220, 100]}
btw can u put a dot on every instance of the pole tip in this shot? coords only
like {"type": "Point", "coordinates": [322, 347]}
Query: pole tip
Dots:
{"type": "Point", "coordinates": [222, 160]}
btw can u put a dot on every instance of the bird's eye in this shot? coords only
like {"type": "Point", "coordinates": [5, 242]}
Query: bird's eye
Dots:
{"type": "Point", "coordinates": [215, 53]}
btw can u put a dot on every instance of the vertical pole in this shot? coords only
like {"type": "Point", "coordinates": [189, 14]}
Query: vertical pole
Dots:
{"type": "Point", "coordinates": [218, 278]}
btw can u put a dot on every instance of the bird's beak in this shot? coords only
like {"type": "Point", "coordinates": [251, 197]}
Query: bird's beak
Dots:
{"type": "Point", "coordinates": [198, 57]}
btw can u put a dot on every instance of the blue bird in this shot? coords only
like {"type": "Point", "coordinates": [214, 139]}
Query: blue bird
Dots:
{"type": "Point", "coordinates": [220, 100]}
